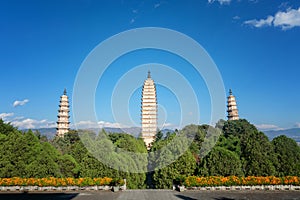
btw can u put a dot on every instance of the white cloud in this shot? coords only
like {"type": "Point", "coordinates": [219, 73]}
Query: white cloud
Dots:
{"type": "Point", "coordinates": [85, 125]}
{"type": "Point", "coordinates": [18, 118]}
{"type": "Point", "coordinates": [111, 125]}
{"type": "Point", "coordinates": [260, 23]}
{"type": "Point", "coordinates": [284, 5]}
{"type": "Point", "coordinates": [132, 21]}
{"type": "Point", "coordinates": [236, 17]}
{"type": "Point", "coordinates": [100, 124]}
{"type": "Point", "coordinates": [5, 116]}
{"type": "Point", "coordinates": [33, 124]}
{"type": "Point", "coordinates": [288, 19]}
{"type": "Point", "coordinates": [20, 103]}
{"type": "Point", "coordinates": [220, 1]}
{"type": "Point", "coordinates": [167, 125]}
{"type": "Point", "coordinates": [157, 5]}
{"type": "Point", "coordinates": [229, 1]}
{"type": "Point", "coordinates": [26, 123]}
{"type": "Point", "coordinates": [268, 127]}
{"type": "Point", "coordinates": [253, 1]}
{"type": "Point", "coordinates": [284, 20]}
{"type": "Point", "coordinates": [297, 125]}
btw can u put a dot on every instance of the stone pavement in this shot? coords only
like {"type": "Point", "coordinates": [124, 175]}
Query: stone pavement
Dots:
{"type": "Point", "coordinates": [148, 194]}
{"type": "Point", "coordinates": [155, 194]}
{"type": "Point", "coordinates": [213, 195]}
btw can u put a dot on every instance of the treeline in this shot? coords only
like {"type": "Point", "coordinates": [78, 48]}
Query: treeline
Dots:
{"type": "Point", "coordinates": [231, 148]}
{"type": "Point", "coordinates": [28, 154]}
{"type": "Point", "coordinates": [240, 150]}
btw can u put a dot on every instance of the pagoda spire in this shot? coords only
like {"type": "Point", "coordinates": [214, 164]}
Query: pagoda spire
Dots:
{"type": "Point", "coordinates": [149, 74]}
{"type": "Point", "coordinates": [65, 91]}
{"type": "Point", "coordinates": [232, 107]}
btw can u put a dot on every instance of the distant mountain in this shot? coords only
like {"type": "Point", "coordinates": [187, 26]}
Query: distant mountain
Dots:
{"type": "Point", "coordinates": [48, 132]}
{"type": "Point", "coordinates": [134, 131]}
{"type": "Point", "coordinates": [293, 133]}
{"type": "Point", "coordinates": [165, 131]}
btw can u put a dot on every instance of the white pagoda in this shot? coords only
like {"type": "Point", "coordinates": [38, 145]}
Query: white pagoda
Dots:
{"type": "Point", "coordinates": [63, 124]}
{"type": "Point", "coordinates": [232, 107]}
{"type": "Point", "coordinates": [149, 111]}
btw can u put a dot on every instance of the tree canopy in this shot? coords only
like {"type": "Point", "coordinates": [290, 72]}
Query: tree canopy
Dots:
{"type": "Point", "coordinates": [231, 148]}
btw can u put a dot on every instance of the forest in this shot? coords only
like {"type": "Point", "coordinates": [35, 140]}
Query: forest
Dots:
{"type": "Point", "coordinates": [231, 148]}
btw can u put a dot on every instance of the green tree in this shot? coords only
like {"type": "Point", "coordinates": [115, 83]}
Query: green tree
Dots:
{"type": "Point", "coordinates": [231, 143]}
{"type": "Point", "coordinates": [91, 167]}
{"type": "Point", "coordinates": [221, 162]}
{"type": "Point", "coordinates": [23, 155]}
{"type": "Point", "coordinates": [171, 158]}
{"type": "Point", "coordinates": [184, 166]}
{"type": "Point", "coordinates": [257, 153]}
{"type": "Point", "coordinates": [288, 154]}
{"type": "Point", "coordinates": [6, 128]}
{"type": "Point", "coordinates": [159, 136]}
{"type": "Point", "coordinates": [68, 166]}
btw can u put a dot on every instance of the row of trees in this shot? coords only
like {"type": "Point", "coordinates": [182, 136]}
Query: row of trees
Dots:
{"type": "Point", "coordinates": [230, 148]}
{"type": "Point", "coordinates": [240, 150]}
{"type": "Point", "coordinates": [24, 155]}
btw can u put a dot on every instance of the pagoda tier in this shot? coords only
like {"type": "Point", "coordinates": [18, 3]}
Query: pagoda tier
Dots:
{"type": "Point", "coordinates": [149, 111]}
{"type": "Point", "coordinates": [63, 124]}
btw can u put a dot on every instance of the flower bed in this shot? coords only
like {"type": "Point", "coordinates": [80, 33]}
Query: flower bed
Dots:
{"type": "Point", "coordinates": [55, 182]}
{"type": "Point", "coordinates": [213, 181]}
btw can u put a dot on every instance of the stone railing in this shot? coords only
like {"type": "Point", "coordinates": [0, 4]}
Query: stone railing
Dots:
{"type": "Point", "coordinates": [52, 188]}
{"type": "Point", "coordinates": [59, 189]}
{"type": "Point", "coordinates": [224, 188]}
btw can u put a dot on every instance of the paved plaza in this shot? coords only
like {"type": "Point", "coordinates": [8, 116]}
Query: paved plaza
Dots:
{"type": "Point", "coordinates": [156, 194]}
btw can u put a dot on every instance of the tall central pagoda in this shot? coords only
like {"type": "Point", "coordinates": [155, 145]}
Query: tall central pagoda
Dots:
{"type": "Point", "coordinates": [149, 111]}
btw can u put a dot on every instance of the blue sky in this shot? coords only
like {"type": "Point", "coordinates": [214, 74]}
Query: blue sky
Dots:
{"type": "Point", "coordinates": [254, 43]}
